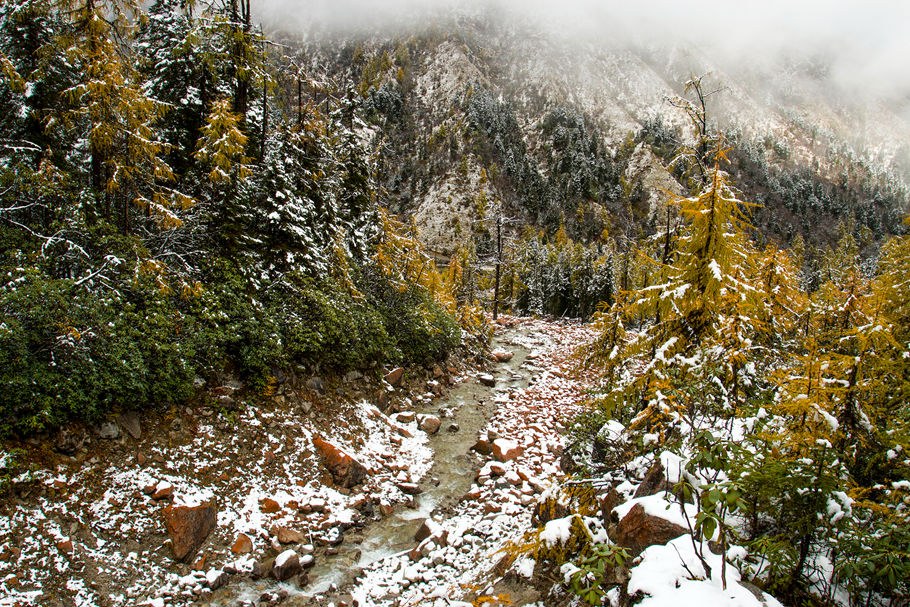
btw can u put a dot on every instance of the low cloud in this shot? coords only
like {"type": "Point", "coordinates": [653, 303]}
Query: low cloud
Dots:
{"type": "Point", "coordinates": [862, 48]}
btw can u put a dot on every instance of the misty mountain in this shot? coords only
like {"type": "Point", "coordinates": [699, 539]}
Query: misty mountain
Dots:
{"type": "Point", "coordinates": [483, 105]}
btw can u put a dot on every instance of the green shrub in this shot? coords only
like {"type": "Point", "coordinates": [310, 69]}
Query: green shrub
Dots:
{"type": "Point", "coordinates": [67, 353]}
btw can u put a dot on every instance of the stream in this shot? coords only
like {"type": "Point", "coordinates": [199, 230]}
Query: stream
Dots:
{"type": "Point", "coordinates": [471, 405]}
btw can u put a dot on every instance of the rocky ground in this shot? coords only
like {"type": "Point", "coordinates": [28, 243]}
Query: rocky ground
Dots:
{"type": "Point", "coordinates": [167, 510]}
{"type": "Point", "coordinates": [416, 486]}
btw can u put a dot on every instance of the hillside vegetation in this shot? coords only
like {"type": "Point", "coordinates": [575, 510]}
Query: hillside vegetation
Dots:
{"type": "Point", "coordinates": [185, 200]}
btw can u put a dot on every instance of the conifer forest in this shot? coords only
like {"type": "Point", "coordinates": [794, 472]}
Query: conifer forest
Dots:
{"type": "Point", "coordinates": [458, 304]}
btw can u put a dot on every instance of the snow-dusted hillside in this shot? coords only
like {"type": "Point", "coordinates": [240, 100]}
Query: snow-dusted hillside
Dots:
{"type": "Point", "coordinates": [788, 110]}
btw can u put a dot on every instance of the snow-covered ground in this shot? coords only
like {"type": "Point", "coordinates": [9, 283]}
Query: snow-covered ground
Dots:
{"type": "Point", "coordinates": [93, 534]}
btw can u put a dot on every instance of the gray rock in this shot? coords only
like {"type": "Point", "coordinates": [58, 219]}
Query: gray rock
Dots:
{"type": "Point", "coordinates": [316, 384]}
{"type": "Point", "coordinates": [352, 376]}
{"type": "Point", "coordinates": [109, 431]}
{"type": "Point", "coordinates": [286, 566]}
{"type": "Point", "coordinates": [69, 441]}
{"type": "Point", "coordinates": [129, 421]}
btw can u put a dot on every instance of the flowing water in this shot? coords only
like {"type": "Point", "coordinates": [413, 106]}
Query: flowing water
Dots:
{"type": "Point", "coordinates": [472, 404]}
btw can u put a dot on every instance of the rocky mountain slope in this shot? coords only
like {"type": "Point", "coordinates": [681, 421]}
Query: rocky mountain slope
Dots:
{"type": "Point", "coordinates": [476, 108]}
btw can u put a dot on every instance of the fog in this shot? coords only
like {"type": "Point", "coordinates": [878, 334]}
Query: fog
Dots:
{"type": "Point", "coordinates": [863, 47]}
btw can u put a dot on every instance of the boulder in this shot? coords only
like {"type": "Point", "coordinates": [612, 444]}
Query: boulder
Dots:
{"type": "Point", "coordinates": [262, 569]}
{"type": "Point", "coordinates": [65, 546]}
{"type": "Point", "coordinates": [502, 356]}
{"type": "Point", "coordinates": [608, 503]}
{"type": "Point", "coordinates": [215, 578]}
{"type": "Point", "coordinates": [655, 481]}
{"type": "Point", "coordinates": [506, 450]}
{"type": "Point", "coordinates": [316, 504]}
{"type": "Point", "coordinates": [405, 417]}
{"type": "Point", "coordinates": [316, 384]}
{"type": "Point", "coordinates": [129, 421]}
{"type": "Point", "coordinates": [269, 506]}
{"type": "Point", "coordinates": [287, 535]}
{"type": "Point", "coordinates": [409, 488]}
{"type": "Point", "coordinates": [483, 447]}
{"type": "Point", "coordinates": [69, 441]}
{"type": "Point", "coordinates": [109, 431]}
{"type": "Point", "coordinates": [487, 379]}
{"type": "Point", "coordinates": [163, 490]}
{"type": "Point", "coordinates": [242, 545]}
{"type": "Point", "coordinates": [188, 526]}
{"type": "Point", "coordinates": [394, 376]}
{"type": "Point", "coordinates": [286, 566]}
{"type": "Point", "coordinates": [637, 530]}
{"type": "Point", "coordinates": [429, 424]}
{"type": "Point", "coordinates": [429, 529]}
{"type": "Point", "coordinates": [345, 469]}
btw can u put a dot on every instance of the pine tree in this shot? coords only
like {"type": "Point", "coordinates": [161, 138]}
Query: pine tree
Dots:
{"type": "Point", "coordinates": [294, 222]}
{"type": "Point", "coordinates": [116, 116]}
{"type": "Point", "coordinates": [222, 150]}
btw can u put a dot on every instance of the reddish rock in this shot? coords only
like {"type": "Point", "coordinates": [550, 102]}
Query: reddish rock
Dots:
{"type": "Point", "coordinates": [243, 544]}
{"type": "Point", "coordinates": [163, 491]}
{"type": "Point", "coordinates": [405, 417]}
{"type": "Point", "coordinates": [141, 459]}
{"type": "Point", "coordinates": [289, 536]}
{"type": "Point", "coordinates": [483, 447]}
{"type": "Point", "coordinates": [430, 424]}
{"type": "Point", "coordinates": [149, 489]}
{"type": "Point", "coordinates": [317, 504]}
{"type": "Point", "coordinates": [505, 450]}
{"type": "Point", "coordinates": [199, 565]}
{"type": "Point", "coordinates": [65, 546]}
{"type": "Point", "coordinates": [637, 530]}
{"type": "Point", "coordinates": [431, 530]}
{"type": "Point", "coordinates": [502, 356]}
{"type": "Point", "coordinates": [188, 526]}
{"type": "Point", "coordinates": [394, 377]}
{"type": "Point", "coordinates": [409, 488]}
{"type": "Point", "coordinates": [269, 506]}
{"type": "Point", "coordinates": [608, 503]}
{"type": "Point", "coordinates": [345, 469]}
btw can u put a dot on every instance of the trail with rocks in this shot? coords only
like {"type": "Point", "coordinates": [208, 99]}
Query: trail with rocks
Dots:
{"type": "Point", "coordinates": [459, 551]}
{"type": "Point", "coordinates": [314, 495]}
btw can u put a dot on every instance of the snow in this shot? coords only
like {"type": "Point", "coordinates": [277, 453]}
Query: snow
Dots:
{"type": "Point", "coordinates": [664, 577]}
{"type": "Point", "coordinates": [282, 559]}
{"type": "Point", "coordinates": [557, 531]}
{"type": "Point", "coordinates": [674, 466]}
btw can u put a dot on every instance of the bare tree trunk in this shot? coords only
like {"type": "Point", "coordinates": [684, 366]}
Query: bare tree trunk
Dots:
{"type": "Point", "coordinates": [498, 266]}
{"type": "Point", "coordinates": [265, 121]}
